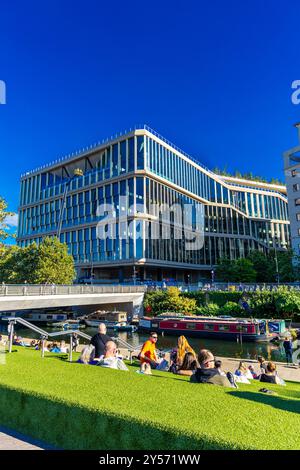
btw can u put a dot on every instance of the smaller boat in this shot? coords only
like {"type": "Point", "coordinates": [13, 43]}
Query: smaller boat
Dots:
{"type": "Point", "coordinates": [125, 327]}
{"type": "Point", "coordinates": [110, 319]}
{"type": "Point", "coordinates": [67, 325]}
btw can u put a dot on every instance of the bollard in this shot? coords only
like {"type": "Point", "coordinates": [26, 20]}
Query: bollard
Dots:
{"type": "Point", "coordinates": [71, 348]}
{"type": "Point", "coordinates": [43, 347]}
{"type": "Point", "coordinates": [11, 336]}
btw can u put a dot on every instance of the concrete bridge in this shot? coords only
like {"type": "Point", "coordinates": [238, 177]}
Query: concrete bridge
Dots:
{"type": "Point", "coordinates": [19, 297]}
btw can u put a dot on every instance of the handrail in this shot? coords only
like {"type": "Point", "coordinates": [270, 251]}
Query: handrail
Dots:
{"type": "Point", "coordinates": [29, 325]}
{"type": "Point", "coordinates": [13, 320]}
{"type": "Point", "coordinates": [40, 290]}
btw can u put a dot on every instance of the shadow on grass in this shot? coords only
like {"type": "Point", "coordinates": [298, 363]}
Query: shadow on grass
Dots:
{"type": "Point", "coordinates": [71, 426]}
{"type": "Point", "coordinates": [60, 358]}
{"type": "Point", "coordinates": [275, 401]}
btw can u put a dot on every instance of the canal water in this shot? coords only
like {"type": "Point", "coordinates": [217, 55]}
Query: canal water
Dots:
{"type": "Point", "coordinates": [218, 347]}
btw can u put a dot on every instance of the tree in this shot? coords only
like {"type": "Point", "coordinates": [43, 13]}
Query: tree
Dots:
{"type": "Point", "coordinates": [170, 300]}
{"type": "Point", "coordinates": [243, 270]}
{"type": "Point", "coordinates": [263, 265]}
{"type": "Point", "coordinates": [48, 262]}
{"type": "Point", "coordinates": [3, 215]}
{"type": "Point", "coordinates": [224, 270]}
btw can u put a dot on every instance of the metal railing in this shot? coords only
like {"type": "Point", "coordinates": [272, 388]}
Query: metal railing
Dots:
{"type": "Point", "coordinates": [45, 334]}
{"type": "Point", "coordinates": [29, 289]}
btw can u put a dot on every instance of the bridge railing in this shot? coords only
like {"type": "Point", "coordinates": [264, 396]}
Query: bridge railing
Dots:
{"type": "Point", "coordinates": [30, 289]}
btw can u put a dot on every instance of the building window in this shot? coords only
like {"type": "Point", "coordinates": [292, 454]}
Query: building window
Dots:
{"type": "Point", "coordinates": [296, 187]}
{"type": "Point", "coordinates": [297, 202]}
{"type": "Point", "coordinates": [298, 216]}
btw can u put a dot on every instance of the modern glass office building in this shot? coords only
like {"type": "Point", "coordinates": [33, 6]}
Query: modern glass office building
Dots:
{"type": "Point", "coordinates": [134, 174]}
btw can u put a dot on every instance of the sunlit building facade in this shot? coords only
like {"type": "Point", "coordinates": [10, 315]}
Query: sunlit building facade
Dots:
{"type": "Point", "coordinates": [134, 173]}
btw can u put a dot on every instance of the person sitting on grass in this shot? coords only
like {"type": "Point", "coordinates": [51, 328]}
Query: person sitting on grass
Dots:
{"type": "Point", "coordinates": [188, 365]}
{"type": "Point", "coordinates": [262, 364]}
{"type": "Point", "coordinates": [55, 348]}
{"type": "Point", "coordinates": [243, 373]}
{"type": "Point", "coordinates": [271, 376]}
{"type": "Point", "coordinates": [148, 352]}
{"type": "Point", "coordinates": [253, 373]}
{"type": "Point", "coordinates": [99, 340]}
{"type": "Point", "coordinates": [63, 347]}
{"type": "Point", "coordinates": [87, 355]}
{"type": "Point", "coordinates": [208, 374]}
{"type": "Point", "coordinates": [218, 366]}
{"type": "Point", "coordinates": [110, 359]}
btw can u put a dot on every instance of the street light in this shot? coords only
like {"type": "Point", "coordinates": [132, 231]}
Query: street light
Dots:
{"type": "Point", "coordinates": [77, 172]}
{"type": "Point", "coordinates": [212, 276]}
{"type": "Point", "coordinates": [276, 260]}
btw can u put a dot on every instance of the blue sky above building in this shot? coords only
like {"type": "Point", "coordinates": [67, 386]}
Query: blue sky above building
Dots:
{"type": "Point", "coordinates": [214, 78]}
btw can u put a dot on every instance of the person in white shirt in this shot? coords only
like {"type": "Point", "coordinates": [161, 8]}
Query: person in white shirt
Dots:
{"type": "Point", "coordinates": [110, 359]}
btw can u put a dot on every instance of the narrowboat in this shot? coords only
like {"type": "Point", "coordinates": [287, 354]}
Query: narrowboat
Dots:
{"type": "Point", "coordinates": [39, 317]}
{"type": "Point", "coordinates": [208, 327]}
{"type": "Point", "coordinates": [110, 319]}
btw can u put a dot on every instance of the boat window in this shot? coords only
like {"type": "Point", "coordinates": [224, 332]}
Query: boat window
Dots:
{"type": "Point", "coordinates": [242, 328]}
{"type": "Point", "coordinates": [154, 325]}
{"type": "Point", "coordinates": [223, 327]}
{"type": "Point", "coordinates": [191, 326]}
{"type": "Point", "coordinates": [208, 326]}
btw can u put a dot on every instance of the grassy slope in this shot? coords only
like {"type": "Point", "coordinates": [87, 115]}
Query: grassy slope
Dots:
{"type": "Point", "coordinates": [77, 406]}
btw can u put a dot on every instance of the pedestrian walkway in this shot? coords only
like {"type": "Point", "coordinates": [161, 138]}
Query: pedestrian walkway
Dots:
{"type": "Point", "coordinates": [285, 372]}
{"type": "Point", "coordinates": [12, 440]}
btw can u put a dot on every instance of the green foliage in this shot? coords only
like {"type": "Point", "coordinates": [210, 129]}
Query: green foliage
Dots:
{"type": "Point", "coordinates": [239, 270]}
{"type": "Point", "coordinates": [263, 265]}
{"type": "Point", "coordinates": [3, 214]}
{"type": "Point", "coordinates": [73, 406]}
{"type": "Point", "coordinates": [170, 300]}
{"type": "Point", "coordinates": [232, 308]}
{"type": "Point", "coordinates": [48, 262]}
{"type": "Point", "coordinates": [259, 267]}
{"type": "Point", "coordinates": [247, 176]}
{"type": "Point", "coordinates": [209, 310]}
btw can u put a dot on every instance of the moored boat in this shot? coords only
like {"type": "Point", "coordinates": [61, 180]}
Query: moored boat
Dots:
{"type": "Point", "coordinates": [208, 327]}
{"type": "Point", "coordinates": [125, 327]}
{"type": "Point", "coordinates": [110, 319]}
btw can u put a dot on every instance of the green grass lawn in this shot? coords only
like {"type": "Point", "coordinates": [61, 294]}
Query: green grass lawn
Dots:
{"type": "Point", "coordinates": [73, 406]}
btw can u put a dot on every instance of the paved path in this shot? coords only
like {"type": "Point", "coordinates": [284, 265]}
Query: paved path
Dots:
{"type": "Point", "coordinates": [12, 440]}
{"type": "Point", "coordinates": [285, 372]}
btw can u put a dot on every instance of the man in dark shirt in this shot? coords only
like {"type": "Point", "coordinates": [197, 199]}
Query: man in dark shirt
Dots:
{"type": "Point", "coordinates": [288, 347]}
{"type": "Point", "coordinates": [99, 340]}
{"type": "Point", "coordinates": [207, 373]}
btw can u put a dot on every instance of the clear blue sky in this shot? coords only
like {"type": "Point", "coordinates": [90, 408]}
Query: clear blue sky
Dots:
{"type": "Point", "coordinates": [213, 77]}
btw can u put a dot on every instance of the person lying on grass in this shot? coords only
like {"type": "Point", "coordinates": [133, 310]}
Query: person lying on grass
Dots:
{"type": "Point", "coordinates": [207, 373]}
{"type": "Point", "coordinates": [87, 356]}
{"type": "Point", "coordinates": [271, 376]}
{"type": "Point", "coordinates": [110, 359]}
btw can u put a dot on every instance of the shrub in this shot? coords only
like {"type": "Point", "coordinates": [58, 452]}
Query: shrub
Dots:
{"type": "Point", "coordinates": [232, 308]}
{"type": "Point", "coordinates": [209, 310]}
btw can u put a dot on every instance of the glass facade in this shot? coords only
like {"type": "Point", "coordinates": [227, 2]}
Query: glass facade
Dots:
{"type": "Point", "coordinates": [130, 177]}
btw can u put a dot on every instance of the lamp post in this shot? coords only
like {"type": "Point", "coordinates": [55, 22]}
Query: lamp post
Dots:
{"type": "Point", "coordinates": [212, 272]}
{"type": "Point", "coordinates": [77, 172]}
{"type": "Point", "coordinates": [276, 260]}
